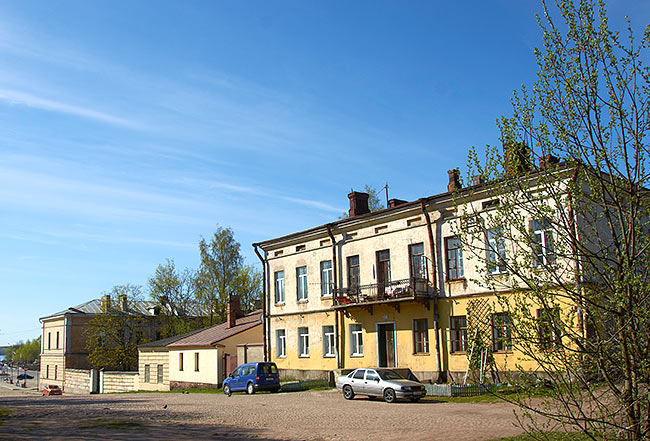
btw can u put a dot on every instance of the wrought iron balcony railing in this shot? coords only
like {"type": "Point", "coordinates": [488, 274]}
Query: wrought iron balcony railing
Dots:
{"type": "Point", "coordinates": [377, 292]}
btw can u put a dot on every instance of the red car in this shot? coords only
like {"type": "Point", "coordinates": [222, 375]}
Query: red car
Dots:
{"type": "Point", "coordinates": [51, 389]}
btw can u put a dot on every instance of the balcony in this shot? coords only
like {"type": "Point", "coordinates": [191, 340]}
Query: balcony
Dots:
{"type": "Point", "coordinates": [392, 292]}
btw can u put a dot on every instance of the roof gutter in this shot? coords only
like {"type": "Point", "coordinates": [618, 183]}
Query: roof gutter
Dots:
{"type": "Point", "coordinates": [265, 321]}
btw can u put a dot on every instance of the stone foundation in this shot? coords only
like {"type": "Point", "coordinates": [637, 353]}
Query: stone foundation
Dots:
{"type": "Point", "coordinates": [176, 385]}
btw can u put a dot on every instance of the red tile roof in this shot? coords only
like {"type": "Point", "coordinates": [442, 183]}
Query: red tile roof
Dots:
{"type": "Point", "coordinates": [215, 334]}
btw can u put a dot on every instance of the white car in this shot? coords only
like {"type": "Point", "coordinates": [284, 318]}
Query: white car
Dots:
{"type": "Point", "coordinates": [385, 383]}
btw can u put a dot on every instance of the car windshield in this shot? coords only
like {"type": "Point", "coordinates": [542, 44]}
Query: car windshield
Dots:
{"type": "Point", "coordinates": [389, 375]}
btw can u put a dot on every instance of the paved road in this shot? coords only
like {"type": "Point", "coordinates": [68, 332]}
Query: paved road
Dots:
{"type": "Point", "coordinates": [311, 415]}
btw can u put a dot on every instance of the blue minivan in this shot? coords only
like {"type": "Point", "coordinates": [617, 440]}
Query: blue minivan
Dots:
{"type": "Point", "coordinates": [252, 377]}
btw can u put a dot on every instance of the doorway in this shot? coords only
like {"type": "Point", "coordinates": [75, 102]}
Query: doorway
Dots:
{"type": "Point", "coordinates": [386, 344]}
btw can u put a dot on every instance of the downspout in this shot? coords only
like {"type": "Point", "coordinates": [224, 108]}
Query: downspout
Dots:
{"type": "Point", "coordinates": [265, 321]}
{"type": "Point", "coordinates": [334, 292]}
{"type": "Point", "coordinates": [432, 249]}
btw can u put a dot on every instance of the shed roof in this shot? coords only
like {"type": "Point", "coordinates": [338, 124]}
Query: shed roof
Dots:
{"type": "Point", "coordinates": [215, 334]}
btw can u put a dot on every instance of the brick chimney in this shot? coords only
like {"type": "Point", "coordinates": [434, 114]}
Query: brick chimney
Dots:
{"type": "Point", "coordinates": [518, 160]}
{"type": "Point", "coordinates": [477, 180]}
{"type": "Point", "coordinates": [106, 302]}
{"type": "Point", "coordinates": [547, 161]}
{"type": "Point", "coordinates": [123, 303]}
{"type": "Point", "coordinates": [454, 180]}
{"type": "Point", "coordinates": [358, 203]}
{"type": "Point", "coordinates": [233, 311]}
{"type": "Point", "coordinates": [392, 203]}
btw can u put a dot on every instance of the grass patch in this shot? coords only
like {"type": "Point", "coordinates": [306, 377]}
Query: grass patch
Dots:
{"type": "Point", "coordinates": [103, 423]}
{"type": "Point", "coordinates": [549, 436]}
{"type": "Point", "coordinates": [4, 413]}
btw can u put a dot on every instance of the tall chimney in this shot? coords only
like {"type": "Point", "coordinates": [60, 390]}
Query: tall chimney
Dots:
{"type": "Point", "coordinates": [233, 310]}
{"type": "Point", "coordinates": [454, 180]}
{"type": "Point", "coordinates": [358, 203]}
{"type": "Point", "coordinates": [478, 180]}
{"type": "Point", "coordinates": [392, 203]}
{"type": "Point", "coordinates": [518, 158]}
{"type": "Point", "coordinates": [546, 161]}
{"type": "Point", "coordinates": [106, 302]}
{"type": "Point", "coordinates": [123, 303]}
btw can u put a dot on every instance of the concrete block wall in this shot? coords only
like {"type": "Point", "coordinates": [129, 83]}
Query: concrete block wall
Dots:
{"type": "Point", "coordinates": [113, 381]}
{"type": "Point", "coordinates": [76, 381]}
{"type": "Point", "coordinates": [153, 359]}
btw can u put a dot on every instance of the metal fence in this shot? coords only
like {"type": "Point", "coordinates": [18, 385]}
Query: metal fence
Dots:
{"type": "Point", "coordinates": [449, 390]}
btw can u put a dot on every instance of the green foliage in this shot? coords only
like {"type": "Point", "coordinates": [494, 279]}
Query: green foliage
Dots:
{"type": "Point", "coordinates": [222, 272]}
{"type": "Point", "coordinates": [24, 351]}
{"type": "Point", "coordinates": [114, 335]}
{"type": "Point", "coordinates": [575, 235]}
{"type": "Point", "coordinates": [375, 200]}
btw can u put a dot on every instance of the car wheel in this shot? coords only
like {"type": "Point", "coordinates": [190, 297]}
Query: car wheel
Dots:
{"type": "Point", "coordinates": [226, 390]}
{"type": "Point", "coordinates": [415, 399]}
{"type": "Point", "coordinates": [250, 389]}
{"type": "Point", "coordinates": [389, 395]}
{"type": "Point", "coordinates": [348, 393]}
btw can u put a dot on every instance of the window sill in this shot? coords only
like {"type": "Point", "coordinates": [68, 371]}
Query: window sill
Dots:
{"type": "Point", "coordinates": [303, 356]}
{"type": "Point", "coordinates": [329, 356]}
{"type": "Point", "coordinates": [280, 304]}
{"type": "Point", "coordinates": [281, 356]}
{"type": "Point", "coordinates": [329, 296]}
{"type": "Point", "coordinates": [356, 355]}
{"type": "Point", "coordinates": [459, 353]}
{"type": "Point", "coordinates": [460, 279]}
{"type": "Point", "coordinates": [303, 301]}
{"type": "Point", "coordinates": [419, 354]}
{"type": "Point", "coordinates": [503, 352]}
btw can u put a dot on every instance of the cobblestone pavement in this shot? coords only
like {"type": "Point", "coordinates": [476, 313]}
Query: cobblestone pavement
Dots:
{"type": "Point", "coordinates": [311, 415]}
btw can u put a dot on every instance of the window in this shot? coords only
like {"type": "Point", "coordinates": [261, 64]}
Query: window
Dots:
{"type": "Point", "coordinates": [326, 278]}
{"type": "Point", "coordinates": [501, 333]}
{"type": "Point", "coordinates": [301, 275]}
{"type": "Point", "coordinates": [356, 340]}
{"type": "Point", "coordinates": [420, 336]}
{"type": "Point", "coordinates": [280, 343]}
{"type": "Point", "coordinates": [180, 362]}
{"type": "Point", "coordinates": [547, 329]}
{"type": "Point", "coordinates": [159, 373]}
{"type": "Point", "coordinates": [328, 341]}
{"type": "Point", "coordinates": [383, 267]}
{"type": "Point", "coordinates": [418, 262]}
{"type": "Point", "coordinates": [56, 371]}
{"type": "Point", "coordinates": [47, 371]}
{"type": "Point", "coordinates": [354, 279]}
{"type": "Point", "coordinates": [279, 287]}
{"type": "Point", "coordinates": [371, 375]}
{"type": "Point", "coordinates": [303, 342]}
{"type": "Point", "coordinates": [49, 340]}
{"type": "Point", "coordinates": [147, 373]}
{"type": "Point", "coordinates": [454, 258]}
{"type": "Point", "coordinates": [57, 339]}
{"type": "Point", "coordinates": [543, 249]}
{"type": "Point", "coordinates": [359, 374]}
{"type": "Point", "coordinates": [496, 251]}
{"type": "Point", "coordinates": [196, 362]}
{"type": "Point", "coordinates": [458, 332]}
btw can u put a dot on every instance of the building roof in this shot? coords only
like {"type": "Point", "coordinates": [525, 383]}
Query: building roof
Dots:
{"type": "Point", "coordinates": [94, 306]}
{"type": "Point", "coordinates": [166, 341]}
{"type": "Point", "coordinates": [215, 334]}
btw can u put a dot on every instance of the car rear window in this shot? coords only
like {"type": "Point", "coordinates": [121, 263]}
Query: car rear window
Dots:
{"type": "Point", "coordinates": [359, 374]}
{"type": "Point", "coordinates": [54, 387]}
{"type": "Point", "coordinates": [269, 369]}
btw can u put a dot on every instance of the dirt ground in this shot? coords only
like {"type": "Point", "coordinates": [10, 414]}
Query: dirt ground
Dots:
{"type": "Point", "coordinates": [311, 415]}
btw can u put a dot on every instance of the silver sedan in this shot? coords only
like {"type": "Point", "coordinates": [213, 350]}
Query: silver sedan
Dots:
{"type": "Point", "coordinates": [384, 383]}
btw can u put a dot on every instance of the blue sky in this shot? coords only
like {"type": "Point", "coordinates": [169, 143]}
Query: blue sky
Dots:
{"type": "Point", "coordinates": [129, 130]}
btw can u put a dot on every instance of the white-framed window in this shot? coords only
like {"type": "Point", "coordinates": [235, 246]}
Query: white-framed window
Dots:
{"type": "Point", "coordinates": [159, 373]}
{"type": "Point", "coordinates": [57, 339]}
{"type": "Point", "coordinates": [328, 341]}
{"type": "Point", "coordinates": [356, 340]}
{"type": "Point", "coordinates": [420, 336]}
{"type": "Point", "coordinates": [180, 361]}
{"type": "Point", "coordinates": [280, 343]}
{"type": "Point", "coordinates": [543, 248]}
{"type": "Point", "coordinates": [147, 373]}
{"type": "Point", "coordinates": [279, 286]}
{"type": "Point", "coordinates": [454, 248]}
{"type": "Point", "coordinates": [301, 276]}
{"type": "Point", "coordinates": [303, 342]}
{"type": "Point", "coordinates": [326, 278]}
{"type": "Point", "coordinates": [196, 362]}
{"type": "Point", "coordinates": [496, 251]}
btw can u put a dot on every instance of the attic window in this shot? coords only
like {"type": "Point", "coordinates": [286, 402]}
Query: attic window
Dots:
{"type": "Point", "coordinates": [414, 221]}
{"type": "Point", "coordinates": [325, 242]}
{"type": "Point", "coordinates": [381, 229]}
{"type": "Point", "coordinates": [490, 204]}
{"type": "Point", "coordinates": [350, 235]}
{"type": "Point", "coordinates": [301, 248]}
{"type": "Point", "coordinates": [278, 253]}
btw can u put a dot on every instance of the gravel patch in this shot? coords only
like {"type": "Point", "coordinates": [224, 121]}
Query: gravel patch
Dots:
{"type": "Point", "coordinates": [311, 415]}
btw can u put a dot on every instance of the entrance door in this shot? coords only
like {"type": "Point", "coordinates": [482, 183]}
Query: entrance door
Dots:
{"type": "Point", "coordinates": [383, 272]}
{"type": "Point", "coordinates": [386, 342]}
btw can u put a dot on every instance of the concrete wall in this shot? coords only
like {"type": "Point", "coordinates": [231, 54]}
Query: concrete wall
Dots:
{"type": "Point", "coordinates": [153, 358]}
{"type": "Point", "coordinates": [113, 381]}
{"type": "Point", "coordinates": [77, 381]}
{"type": "Point", "coordinates": [250, 353]}
{"type": "Point", "coordinates": [209, 367]}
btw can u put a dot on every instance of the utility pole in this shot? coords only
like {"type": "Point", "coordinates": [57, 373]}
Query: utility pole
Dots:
{"type": "Point", "coordinates": [385, 187]}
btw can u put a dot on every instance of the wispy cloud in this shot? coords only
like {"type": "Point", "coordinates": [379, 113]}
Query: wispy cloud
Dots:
{"type": "Point", "coordinates": [25, 99]}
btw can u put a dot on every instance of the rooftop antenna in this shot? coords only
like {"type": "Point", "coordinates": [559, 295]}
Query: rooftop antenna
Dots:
{"type": "Point", "coordinates": [385, 187]}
